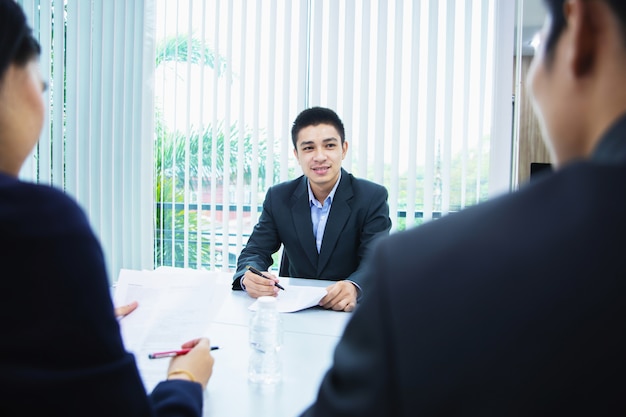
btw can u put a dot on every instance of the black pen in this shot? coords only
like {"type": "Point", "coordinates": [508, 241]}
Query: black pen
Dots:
{"type": "Point", "coordinates": [259, 273]}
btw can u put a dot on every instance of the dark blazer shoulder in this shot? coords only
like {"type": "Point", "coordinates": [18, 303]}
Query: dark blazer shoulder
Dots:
{"type": "Point", "coordinates": [36, 209]}
{"type": "Point", "coordinates": [297, 186]}
{"type": "Point", "coordinates": [360, 190]}
{"type": "Point", "coordinates": [362, 184]}
{"type": "Point", "coordinates": [288, 188]}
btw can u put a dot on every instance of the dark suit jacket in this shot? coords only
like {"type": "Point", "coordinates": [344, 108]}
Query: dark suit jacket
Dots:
{"type": "Point", "coordinates": [358, 216]}
{"type": "Point", "coordinates": [61, 353]}
{"type": "Point", "coordinates": [515, 307]}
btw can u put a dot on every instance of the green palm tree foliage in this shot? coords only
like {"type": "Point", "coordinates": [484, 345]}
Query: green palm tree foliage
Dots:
{"type": "Point", "coordinates": [180, 167]}
{"type": "Point", "coordinates": [181, 48]}
{"type": "Point", "coordinates": [186, 163]}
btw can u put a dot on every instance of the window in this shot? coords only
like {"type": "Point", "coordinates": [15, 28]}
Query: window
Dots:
{"type": "Point", "coordinates": [97, 139]}
{"type": "Point", "coordinates": [138, 87]}
{"type": "Point", "coordinates": [423, 88]}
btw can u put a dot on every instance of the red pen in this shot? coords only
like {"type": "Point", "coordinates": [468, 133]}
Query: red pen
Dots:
{"type": "Point", "coordinates": [172, 353]}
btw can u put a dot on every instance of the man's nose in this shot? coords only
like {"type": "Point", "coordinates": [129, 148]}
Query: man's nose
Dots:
{"type": "Point", "coordinates": [320, 155]}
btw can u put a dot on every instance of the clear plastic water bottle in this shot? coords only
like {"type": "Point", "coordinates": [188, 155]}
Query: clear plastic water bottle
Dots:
{"type": "Point", "coordinates": [266, 337]}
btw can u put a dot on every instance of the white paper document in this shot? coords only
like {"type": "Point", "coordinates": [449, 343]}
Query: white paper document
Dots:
{"type": "Point", "coordinates": [175, 305]}
{"type": "Point", "coordinates": [296, 298]}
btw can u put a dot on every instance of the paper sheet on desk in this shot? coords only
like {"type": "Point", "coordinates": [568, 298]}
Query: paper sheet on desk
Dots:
{"type": "Point", "coordinates": [296, 298]}
{"type": "Point", "coordinates": [175, 305]}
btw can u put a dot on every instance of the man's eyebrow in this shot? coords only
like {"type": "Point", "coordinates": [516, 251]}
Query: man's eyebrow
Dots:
{"type": "Point", "coordinates": [310, 142]}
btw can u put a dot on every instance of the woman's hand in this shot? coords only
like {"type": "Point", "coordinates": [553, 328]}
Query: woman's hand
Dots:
{"type": "Point", "coordinates": [125, 310]}
{"type": "Point", "coordinates": [196, 365]}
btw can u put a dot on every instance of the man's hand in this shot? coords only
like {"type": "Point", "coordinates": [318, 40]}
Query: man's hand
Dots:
{"type": "Point", "coordinates": [341, 296]}
{"type": "Point", "coordinates": [257, 286]}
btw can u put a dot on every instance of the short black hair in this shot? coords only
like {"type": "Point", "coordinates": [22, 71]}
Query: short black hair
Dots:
{"type": "Point", "coordinates": [555, 12]}
{"type": "Point", "coordinates": [17, 44]}
{"type": "Point", "coordinates": [315, 116]}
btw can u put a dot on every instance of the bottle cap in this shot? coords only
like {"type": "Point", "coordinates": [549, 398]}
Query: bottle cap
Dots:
{"type": "Point", "coordinates": [267, 301]}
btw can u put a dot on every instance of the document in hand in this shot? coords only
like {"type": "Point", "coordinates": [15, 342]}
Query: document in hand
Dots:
{"type": "Point", "coordinates": [175, 305]}
{"type": "Point", "coordinates": [296, 298]}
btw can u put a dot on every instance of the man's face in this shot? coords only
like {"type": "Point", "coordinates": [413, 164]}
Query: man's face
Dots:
{"type": "Point", "coordinates": [555, 100]}
{"type": "Point", "coordinates": [319, 152]}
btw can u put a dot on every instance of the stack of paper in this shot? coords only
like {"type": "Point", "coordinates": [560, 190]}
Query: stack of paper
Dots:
{"type": "Point", "coordinates": [296, 298]}
{"type": "Point", "coordinates": [175, 306]}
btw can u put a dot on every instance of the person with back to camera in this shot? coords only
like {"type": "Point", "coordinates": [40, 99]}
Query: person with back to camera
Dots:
{"type": "Point", "coordinates": [516, 306]}
{"type": "Point", "coordinates": [61, 352]}
{"type": "Point", "coordinates": [326, 219]}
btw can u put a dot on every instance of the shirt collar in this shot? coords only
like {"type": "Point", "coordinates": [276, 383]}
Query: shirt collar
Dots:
{"type": "Point", "coordinates": [331, 196]}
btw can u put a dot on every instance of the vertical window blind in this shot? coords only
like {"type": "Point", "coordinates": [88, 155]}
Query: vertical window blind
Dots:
{"type": "Point", "coordinates": [98, 137]}
{"type": "Point", "coordinates": [169, 119]}
{"type": "Point", "coordinates": [423, 87]}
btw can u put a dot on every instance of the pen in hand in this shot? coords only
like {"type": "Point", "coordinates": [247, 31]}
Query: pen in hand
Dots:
{"type": "Point", "coordinates": [172, 353]}
{"type": "Point", "coordinates": [259, 273]}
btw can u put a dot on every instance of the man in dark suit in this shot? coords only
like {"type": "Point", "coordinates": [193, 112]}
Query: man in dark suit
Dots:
{"type": "Point", "coordinates": [514, 307]}
{"type": "Point", "coordinates": [326, 219]}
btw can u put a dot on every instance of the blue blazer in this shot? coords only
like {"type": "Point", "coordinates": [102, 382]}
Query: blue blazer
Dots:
{"type": "Point", "coordinates": [358, 216]}
{"type": "Point", "coordinates": [61, 352]}
{"type": "Point", "coordinates": [514, 307]}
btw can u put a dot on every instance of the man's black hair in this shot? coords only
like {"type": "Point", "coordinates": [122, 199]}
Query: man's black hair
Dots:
{"type": "Point", "coordinates": [316, 116]}
{"type": "Point", "coordinates": [555, 12]}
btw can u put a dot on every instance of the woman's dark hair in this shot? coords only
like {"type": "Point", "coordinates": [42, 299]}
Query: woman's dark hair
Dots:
{"type": "Point", "coordinates": [17, 44]}
{"type": "Point", "coordinates": [555, 11]}
{"type": "Point", "coordinates": [316, 116]}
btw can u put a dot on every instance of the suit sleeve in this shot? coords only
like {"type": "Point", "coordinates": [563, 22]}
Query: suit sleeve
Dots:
{"type": "Point", "coordinates": [376, 225]}
{"type": "Point", "coordinates": [359, 382]}
{"type": "Point", "coordinates": [262, 244]}
{"type": "Point", "coordinates": [64, 305]}
{"type": "Point", "coordinates": [177, 398]}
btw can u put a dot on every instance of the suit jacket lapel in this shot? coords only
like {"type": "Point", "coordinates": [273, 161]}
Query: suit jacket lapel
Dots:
{"type": "Point", "coordinates": [301, 209]}
{"type": "Point", "coordinates": [339, 215]}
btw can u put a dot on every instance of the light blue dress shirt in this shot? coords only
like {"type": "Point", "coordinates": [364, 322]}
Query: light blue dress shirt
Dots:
{"type": "Point", "coordinates": [320, 212]}
{"type": "Point", "coordinates": [319, 217]}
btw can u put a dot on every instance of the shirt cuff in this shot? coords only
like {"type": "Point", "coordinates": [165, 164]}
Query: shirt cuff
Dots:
{"type": "Point", "coordinates": [237, 283]}
{"type": "Point", "coordinates": [359, 291]}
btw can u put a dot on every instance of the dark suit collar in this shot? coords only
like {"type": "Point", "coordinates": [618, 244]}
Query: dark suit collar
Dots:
{"type": "Point", "coordinates": [300, 189]}
{"type": "Point", "coordinates": [340, 212]}
{"type": "Point", "coordinates": [8, 179]}
{"type": "Point", "coordinates": [331, 195]}
{"type": "Point", "coordinates": [612, 146]}
{"type": "Point", "coordinates": [301, 209]}
{"type": "Point", "coordinates": [345, 183]}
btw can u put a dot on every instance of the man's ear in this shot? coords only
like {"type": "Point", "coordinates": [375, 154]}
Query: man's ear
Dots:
{"type": "Point", "coordinates": [579, 15]}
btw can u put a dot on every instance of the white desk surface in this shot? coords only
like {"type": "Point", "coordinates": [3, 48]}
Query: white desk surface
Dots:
{"type": "Point", "coordinates": [310, 337]}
